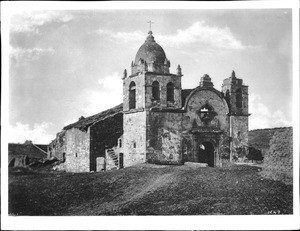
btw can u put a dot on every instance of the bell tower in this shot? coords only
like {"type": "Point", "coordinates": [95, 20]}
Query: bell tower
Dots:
{"type": "Point", "coordinates": [236, 95]}
{"type": "Point", "coordinates": [150, 85]}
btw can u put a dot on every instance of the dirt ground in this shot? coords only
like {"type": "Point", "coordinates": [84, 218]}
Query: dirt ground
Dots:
{"type": "Point", "coordinates": [149, 190]}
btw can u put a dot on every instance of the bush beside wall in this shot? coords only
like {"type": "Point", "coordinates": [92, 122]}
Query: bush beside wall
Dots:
{"type": "Point", "coordinates": [278, 162]}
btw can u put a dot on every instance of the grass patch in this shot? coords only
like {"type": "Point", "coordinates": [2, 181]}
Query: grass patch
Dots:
{"type": "Point", "coordinates": [148, 190]}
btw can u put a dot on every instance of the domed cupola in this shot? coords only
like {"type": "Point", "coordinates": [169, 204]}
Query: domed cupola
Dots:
{"type": "Point", "coordinates": [150, 57]}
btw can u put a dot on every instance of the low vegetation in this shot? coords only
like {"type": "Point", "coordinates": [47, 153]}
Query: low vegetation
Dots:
{"type": "Point", "coordinates": [254, 154]}
{"type": "Point", "coordinates": [260, 138]}
{"type": "Point", "coordinates": [148, 190]}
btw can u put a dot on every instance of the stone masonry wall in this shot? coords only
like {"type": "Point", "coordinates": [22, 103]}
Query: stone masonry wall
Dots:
{"type": "Point", "coordinates": [239, 135]}
{"type": "Point", "coordinates": [77, 150]}
{"type": "Point", "coordinates": [163, 81]}
{"type": "Point", "coordinates": [134, 138]}
{"type": "Point", "coordinates": [139, 81]}
{"type": "Point", "coordinates": [199, 99]}
{"type": "Point", "coordinates": [164, 138]}
{"type": "Point", "coordinates": [216, 131]}
{"type": "Point", "coordinates": [278, 161]}
{"type": "Point", "coordinates": [232, 85]}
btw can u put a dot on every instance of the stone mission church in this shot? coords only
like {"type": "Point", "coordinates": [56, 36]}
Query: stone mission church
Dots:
{"type": "Point", "coordinates": [159, 122]}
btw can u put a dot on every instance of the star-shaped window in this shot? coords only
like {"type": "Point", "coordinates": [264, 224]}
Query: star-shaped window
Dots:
{"type": "Point", "coordinates": [206, 113]}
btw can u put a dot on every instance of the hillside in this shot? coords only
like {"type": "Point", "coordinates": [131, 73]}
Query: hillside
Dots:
{"type": "Point", "coordinates": [260, 138]}
{"type": "Point", "coordinates": [148, 190]}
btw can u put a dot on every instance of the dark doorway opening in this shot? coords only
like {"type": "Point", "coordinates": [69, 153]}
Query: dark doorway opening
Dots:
{"type": "Point", "coordinates": [206, 154]}
{"type": "Point", "coordinates": [121, 160]}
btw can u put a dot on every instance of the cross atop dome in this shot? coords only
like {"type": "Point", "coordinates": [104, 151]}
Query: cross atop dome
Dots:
{"type": "Point", "coordinates": [150, 22]}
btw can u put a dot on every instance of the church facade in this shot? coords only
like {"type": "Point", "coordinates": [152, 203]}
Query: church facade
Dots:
{"type": "Point", "coordinates": [163, 123]}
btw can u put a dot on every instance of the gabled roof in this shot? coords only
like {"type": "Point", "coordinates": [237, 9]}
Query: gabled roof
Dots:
{"type": "Point", "coordinates": [84, 123]}
{"type": "Point", "coordinates": [44, 147]}
{"type": "Point", "coordinates": [26, 149]}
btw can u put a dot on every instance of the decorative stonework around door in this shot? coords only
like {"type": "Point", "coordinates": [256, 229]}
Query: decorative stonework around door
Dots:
{"type": "Point", "coordinates": [206, 147]}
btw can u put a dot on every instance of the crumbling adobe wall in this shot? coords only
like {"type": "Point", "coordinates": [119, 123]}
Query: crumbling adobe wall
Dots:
{"type": "Point", "coordinates": [278, 161]}
{"type": "Point", "coordinates": [164, 138]}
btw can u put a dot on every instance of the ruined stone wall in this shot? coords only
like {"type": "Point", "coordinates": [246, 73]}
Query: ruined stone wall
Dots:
{"type": "Point", "coordinates": [58, 146]}
{"type": "Point", "coordinates": [278, 161]}
{"type": "Point", "coordinates": [134, 138]}
{"type": "Point", "coordinates": [164, 138]}
{"type": "Point", "coordinates": [77, 150]}
{"type": "Point", "coordinates": [104, 135]}
{"type": "Point", "coordinates": [239, 136]}
{"type": "Point", "coordinates": [163, 81]}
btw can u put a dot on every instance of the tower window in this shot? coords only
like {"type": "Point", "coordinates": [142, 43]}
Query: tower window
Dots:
{"type": "Point", "coordinates": [239, 98]}
{"type": "Point", "coordinates": [170, 92]}
{"type": "Point", "coordinates": [120, 143]}
{"type": "Point", "coordinates": [132, 93]}
{"type": "Point", "coordinates": [155, 90]}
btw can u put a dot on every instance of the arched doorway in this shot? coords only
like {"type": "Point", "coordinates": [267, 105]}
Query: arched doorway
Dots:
{"type": "Point", "coordinates": [206, 153]}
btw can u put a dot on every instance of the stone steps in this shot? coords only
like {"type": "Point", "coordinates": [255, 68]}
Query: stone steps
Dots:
{"type": "Point", "coordinates": [113, 155]}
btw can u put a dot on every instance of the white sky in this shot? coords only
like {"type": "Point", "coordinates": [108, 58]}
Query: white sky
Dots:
{"type": "Point", "coordinates": [66, 64]}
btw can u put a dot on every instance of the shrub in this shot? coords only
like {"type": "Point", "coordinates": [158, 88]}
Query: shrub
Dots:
{"type": "Point", "coordinates": [254, 154]}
